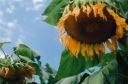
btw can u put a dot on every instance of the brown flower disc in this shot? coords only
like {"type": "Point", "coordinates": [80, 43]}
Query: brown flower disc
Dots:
{"type": "Point", "coordinates": [90, 29]}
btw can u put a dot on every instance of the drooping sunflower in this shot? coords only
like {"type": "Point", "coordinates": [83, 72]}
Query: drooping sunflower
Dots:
{"type": "Point", "coordinates": [17, 74]}
{"type": "Point", "coordinates": [87, 28]}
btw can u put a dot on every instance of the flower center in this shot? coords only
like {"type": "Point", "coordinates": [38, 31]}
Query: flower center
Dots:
{"type": "Point", "coordinates": [90, 29]}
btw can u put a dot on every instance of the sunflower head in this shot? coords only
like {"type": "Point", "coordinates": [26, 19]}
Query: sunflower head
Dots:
{"type": "Point", "coordinates": [17, 74]}
{"type": "Point", "coordinates": [87, 28]}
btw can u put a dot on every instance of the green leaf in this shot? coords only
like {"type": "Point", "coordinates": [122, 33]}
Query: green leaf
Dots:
{"type": "Point", "coordinates": [54, 11]}
{"type": "Point", "coordinates": [23, 50]}
{"type": "Point", "coordinates": [48, 69]}
{"type": "Point", "coordinates": [123, 42]}
{"type": "Point", "coordinates": [51, 80]}
{"type": "Point", "coordinates": [106, 58]}
{"type": "Point", "coordinates": [122, 58]}
{"type": "Point", "coordinates": [70, 80]}
{"type": "Point", "coordinates": [107, 75]}
{"type": "Point", "coordinates": [70, 65]}
{"type": "Point", "coordinates": [123, 5]}
{"type": "Point", "coordinates": [25, 59]}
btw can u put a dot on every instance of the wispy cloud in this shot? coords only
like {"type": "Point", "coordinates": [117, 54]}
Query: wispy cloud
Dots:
{"type": "Point", "coordinates": [7, 28]}
{"type": "Point", "coordinates": [37, 4]}
{"type": "Point", "coordinates": [20, 39]}
{"type": "Point", "coordinates": [10, 9]}
{"type": "Point", "coordinates": [12, 24]}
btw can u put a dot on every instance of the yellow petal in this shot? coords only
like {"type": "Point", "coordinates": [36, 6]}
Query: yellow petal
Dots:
{"type": "Point", "coordinates": [67, 41]}
{"type": "Point", "coordinates": [126, 26]}
{"type": "Point", "coordinates": [84, 9]}
{"type": "Point", "coordinates": [94, 10]}
{"type": "Point", "coordinates": [110, 45]}
{"type": "Point", "coordinates": [60, 24]}
{"type": "Point", "coordinates": [102, 48]}
{"type": "Point", "coordinates": [62, 20]}
{"type": "Point", "coordinates": [77, 48]}
{"type": "Point", "coordinates": [74, 47]}
{"type": "Point", "coordinates": [84, 49]}
{"type": "Point", "coordinates": [119, 31]}
{"type": "Point", "coordinates": [114, 41]}
{"type": "Point", "coordinates": [96, 48]}
{"type": "Point", "coordinates": [76, 12]}
{"type": "Point", "coordinates": [100, 7]}
{"type": "Point", "coordinates": [90, 52]}
{"type": "Point", "coordinates": [89, 9]}
{"type": "Point", "coordinates": [119, 20]}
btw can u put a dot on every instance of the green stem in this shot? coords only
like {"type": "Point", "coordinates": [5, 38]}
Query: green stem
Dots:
{"type": "Point", "coordinates": [3, 53]}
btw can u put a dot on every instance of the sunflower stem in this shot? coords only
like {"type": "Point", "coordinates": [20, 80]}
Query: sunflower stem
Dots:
{"type": "Point", "coordinates": [3, 53]}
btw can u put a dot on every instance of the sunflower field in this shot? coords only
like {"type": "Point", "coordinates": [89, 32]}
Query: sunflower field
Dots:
{"type": "Point", "coordinates": [94, 34]}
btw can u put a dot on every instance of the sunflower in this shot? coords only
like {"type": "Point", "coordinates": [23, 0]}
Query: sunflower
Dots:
{"type": "Point", "coordinates": [17, 74]}
{"type": "Point", "coordinates": [87, 28]}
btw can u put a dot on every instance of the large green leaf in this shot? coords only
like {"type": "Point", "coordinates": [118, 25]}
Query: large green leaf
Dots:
{"type": "Point", "coordinates": [48, 69]}
{"type": "Point", "coordinates": [54, 11]}
{"type": "Point", "coordinates": [106, 58]}
{"type": "Point", "coordinates": [107, 75]}
{"type": "Point", "coordinates": [70, 65]}
{"type": "Point", "coordinates": [23, 50]}
{"type": "Point", "coordinates": [70, 80]}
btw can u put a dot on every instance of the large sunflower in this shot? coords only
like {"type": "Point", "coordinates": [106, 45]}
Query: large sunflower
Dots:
{"type": "Point", "coordinates": [88, 28]}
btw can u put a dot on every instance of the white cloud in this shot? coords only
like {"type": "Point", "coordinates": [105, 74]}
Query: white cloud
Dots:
{"type": "Point", "coordinates": [7, 29]}
{"type": "Point", "coordinates": [12, 24]}
{"type": "Point", "coordinates": [10, 9]}
{"type": "Point", "coordinates": [37, 4]}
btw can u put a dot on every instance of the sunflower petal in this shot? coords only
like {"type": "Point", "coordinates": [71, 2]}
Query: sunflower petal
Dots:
{"type": "Point", "coordinates": [90, 52]}
{"type": "Point", "coordinates": [102, 48]}
{"type": "Point", "coordinates": [67, 41]}
{"type": "Point", "coordinates": [89, 9]}
{"type": "Point", "coordinates": [110, 45]}
{"type": "Point", "coordinates": [114, 41]}
{"type": "Point", "coordinates": [96, 48]}
{"type": "Point", "coordinates": [100, 7]}
{"type": "Point", "coordinates": [84, 49]}
{"type": "Point", "coordinates": [95, 11]}
{"type": "Point", "coordinates": [120, 31]}
{"type": "Point", "coordinates": [76, 12]}
{"type": "Point", "coordinates": [74, 47]}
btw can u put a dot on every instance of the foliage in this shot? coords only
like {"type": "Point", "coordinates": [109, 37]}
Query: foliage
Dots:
{"type": "Point", "coordinates": [25, 56]}
{"type": "Point", "coordinates": [54, 11]}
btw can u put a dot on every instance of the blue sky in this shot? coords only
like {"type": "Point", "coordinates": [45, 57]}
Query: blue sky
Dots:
{"type": "Point", "coordinates": [21, 22]}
